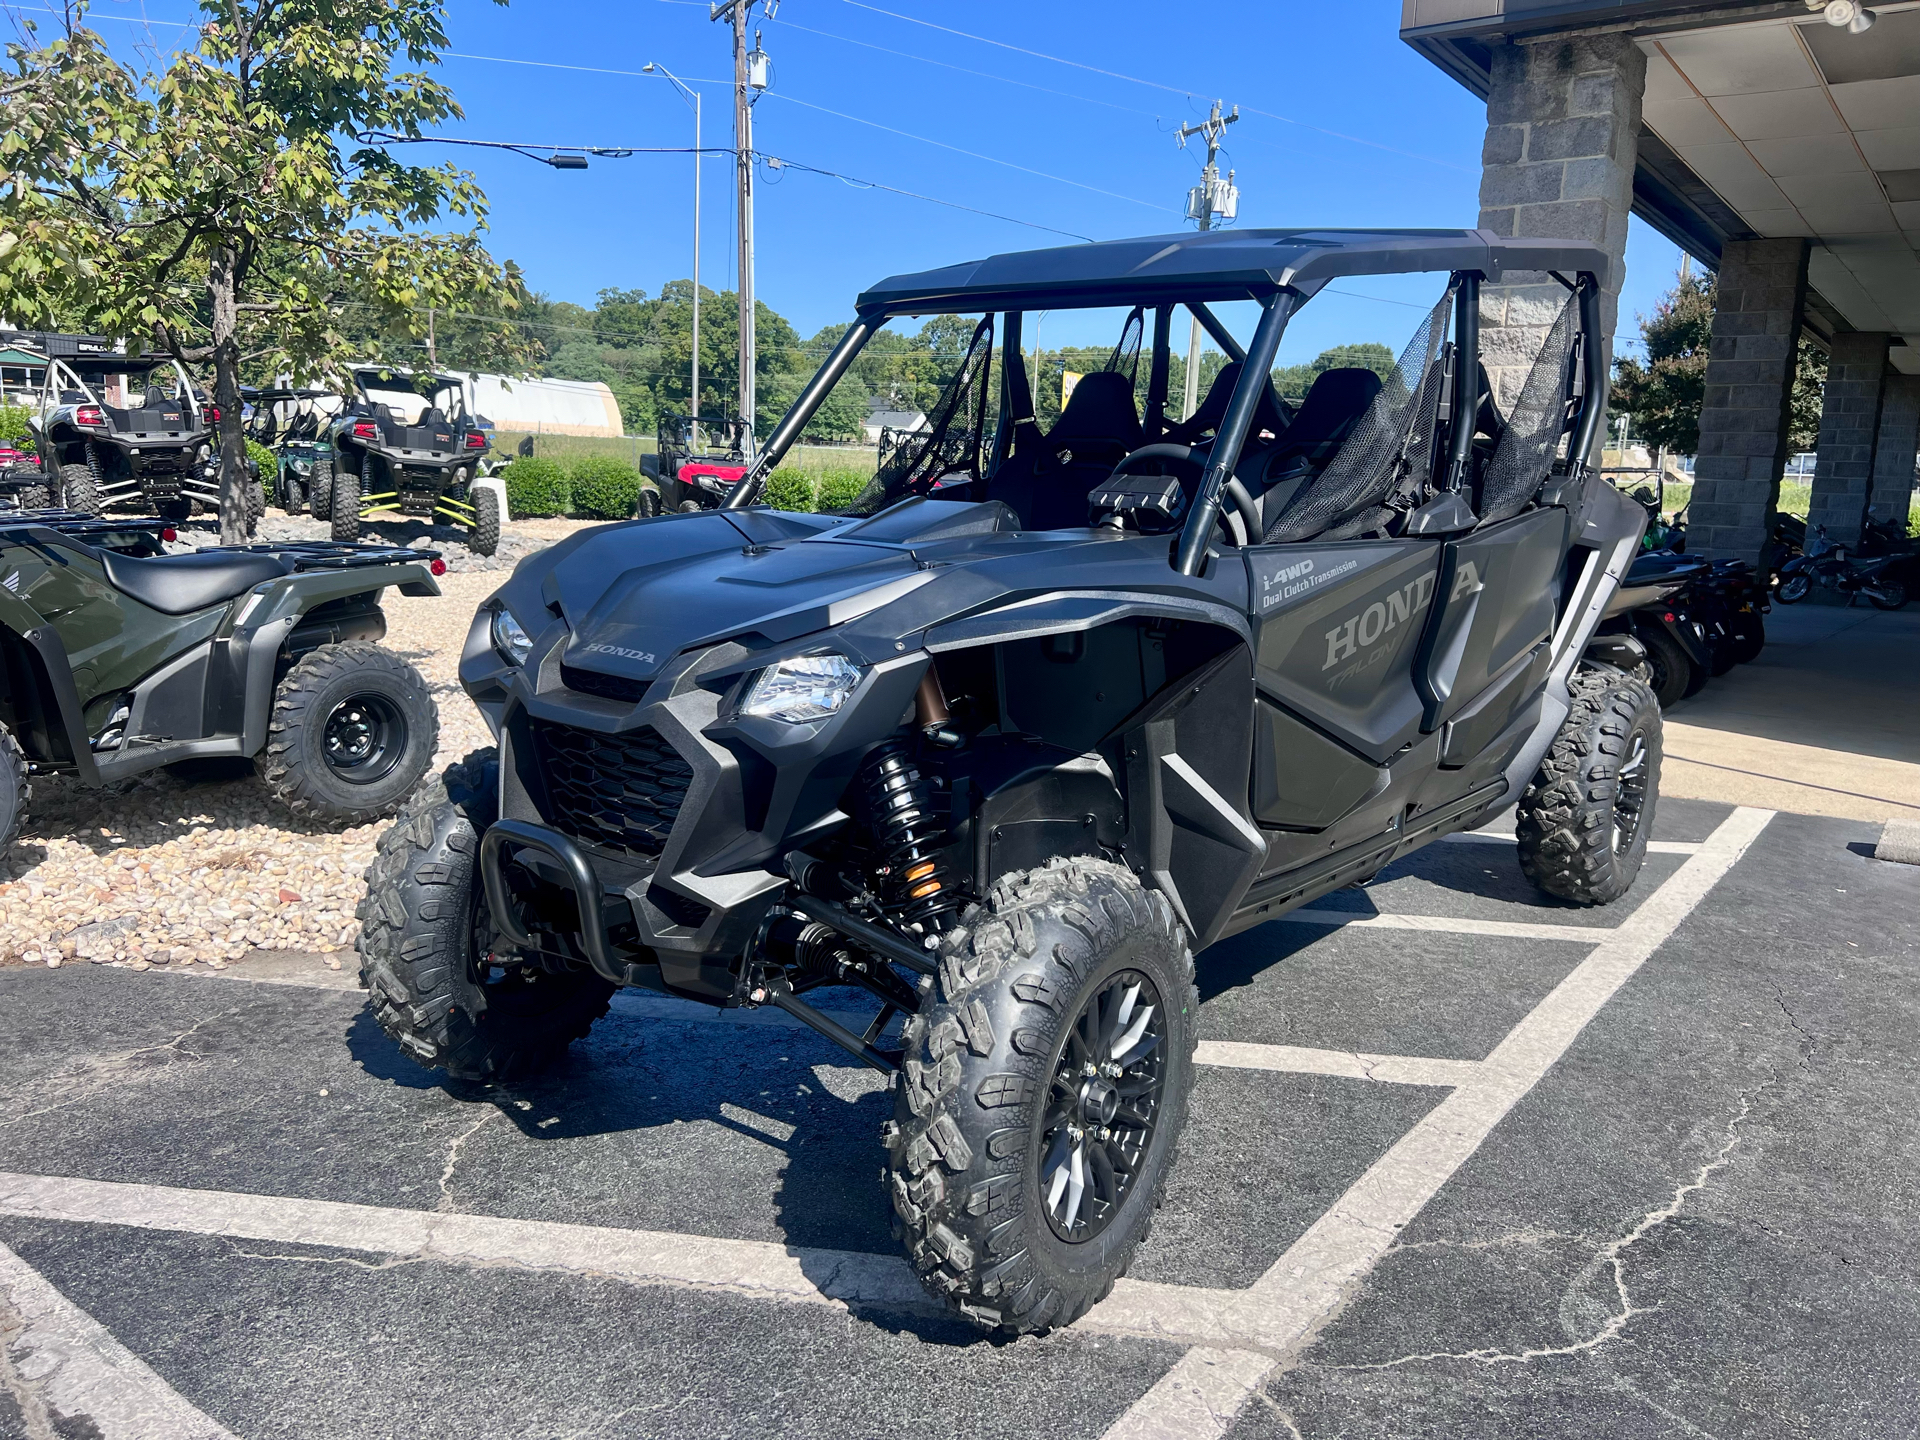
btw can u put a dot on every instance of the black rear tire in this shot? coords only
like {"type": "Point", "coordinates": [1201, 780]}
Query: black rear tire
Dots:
{"type": "Point", "coordinates": [1585, 818]}
{"type": "Point", "coordinates": [485, 538]}
{"type": "Point", "coordinates": [1673, 669]}
{"type": "Point", "coordinates": [422, 925]}
{"type": "Point", "coordinates": [34, 497]}
{"type": "Point", "coordinates": [320, 490]}
{"type": "Point", "coordinates": [1750, 639]}
{"type": "Point", "coordinates": [986, 1108]}
{"type": "Point", "coordinates": [1887, 595]}
{"type": "Point", "coordinates": [15, 790]}
{"type": "Point", "coordinates": [353, 729]}
{"type": "Point", "coordinates": [344, 506]}
{"type": "Point", "coordinates": [78, 491]}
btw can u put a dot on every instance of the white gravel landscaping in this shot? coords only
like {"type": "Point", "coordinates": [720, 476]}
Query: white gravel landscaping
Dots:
{"type": "Point", "coordinates": [158, 872]}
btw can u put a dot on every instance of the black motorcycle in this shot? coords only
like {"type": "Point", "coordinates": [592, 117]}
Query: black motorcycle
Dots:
{"type": "Point", "coordinates": [1825, 565]}
{"type": "Point", "coordinates": [1657, 606]}
{"type": "Point", "coordinates": [1729, 600]}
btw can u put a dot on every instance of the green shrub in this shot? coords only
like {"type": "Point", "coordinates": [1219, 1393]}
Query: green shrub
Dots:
{"type": "Point", "coordinates": [788, 489]}
{"type": "Point", "coordinates": [13, 425]}
{"type": "Point", "coordinates": [603, 488]}
{"type": "Point", "coordinates": [536, 487]}
{"type": "Point", "coordinates": [840, 488]}
{"type": "Point", "coordinates": [267, 461]}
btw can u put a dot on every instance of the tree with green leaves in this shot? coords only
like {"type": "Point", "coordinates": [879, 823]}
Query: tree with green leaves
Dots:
{"type": "Point", "coordinates": [225, 209]}
{"type": "Point", "coordinates": [1809, 396]}
{"type": "Point", "coordinates": [1664, 394]}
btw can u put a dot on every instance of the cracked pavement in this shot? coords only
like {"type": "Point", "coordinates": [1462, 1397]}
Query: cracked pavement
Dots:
{"type": "Point", "coordinates": [1699, 1223]}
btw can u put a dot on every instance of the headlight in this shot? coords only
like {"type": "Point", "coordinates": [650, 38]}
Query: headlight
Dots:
{"type": "Point", "coordinates": [809, 687]}
{"type": "Point", "coordinates": [300, 467]}
{"type": "Point", "coordinates": [513, 643]}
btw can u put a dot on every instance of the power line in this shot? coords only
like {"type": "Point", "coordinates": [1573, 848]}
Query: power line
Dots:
{"type": "Point", "coordinates": [1150, 84]}
{"type": "Point", "coordinates": [778, 162]}
{"type": "Point", "coordinates": [973, 154]}
{"type": "Point", "coordinates": [962, 69]}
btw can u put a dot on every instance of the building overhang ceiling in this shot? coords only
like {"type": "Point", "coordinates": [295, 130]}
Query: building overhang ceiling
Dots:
{"type": "Point", "coordinates": [1759, 121]}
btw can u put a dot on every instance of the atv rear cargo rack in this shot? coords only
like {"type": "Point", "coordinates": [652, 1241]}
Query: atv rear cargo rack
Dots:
{"type": "Point", "coordinates": [333, 554]}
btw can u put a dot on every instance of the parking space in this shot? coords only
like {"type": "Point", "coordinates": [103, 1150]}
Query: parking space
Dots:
{"type": "Point", "coordinates": [1461, 1161]}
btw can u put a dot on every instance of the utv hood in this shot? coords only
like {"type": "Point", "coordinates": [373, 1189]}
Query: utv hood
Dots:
{"type": "Point", "coordinates": [633, 596]}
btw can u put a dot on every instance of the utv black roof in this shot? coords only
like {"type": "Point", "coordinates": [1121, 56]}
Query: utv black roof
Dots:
{"type": "Point", "coordinates": [91, 364]}
{"type": "Point", "coordinates": [1214, 265]}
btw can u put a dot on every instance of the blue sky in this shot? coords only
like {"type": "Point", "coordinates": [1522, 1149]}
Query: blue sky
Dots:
{"type": "Point", "coordinates": [1341, 125]}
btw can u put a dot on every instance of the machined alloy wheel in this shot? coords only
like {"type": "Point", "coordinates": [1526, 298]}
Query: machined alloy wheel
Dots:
{"type": "Point", "coordinates": [1630, 792]}
{"type": "Point", "coordinates": [1108, 1082]}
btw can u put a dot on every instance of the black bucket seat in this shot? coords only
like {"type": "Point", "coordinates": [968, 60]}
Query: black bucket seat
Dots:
{"type": "Point", "coordinates": [1046, 484]}
{"type": "Point", "coordinates": [181, 584]}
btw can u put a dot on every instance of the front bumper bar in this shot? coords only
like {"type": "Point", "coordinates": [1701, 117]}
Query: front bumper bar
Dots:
{"type": "Point", "coordinates": [587, 893]}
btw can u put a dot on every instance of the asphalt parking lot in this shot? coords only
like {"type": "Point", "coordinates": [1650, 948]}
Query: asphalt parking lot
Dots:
{"type": "Point", "coordinates": [1462, 1162]}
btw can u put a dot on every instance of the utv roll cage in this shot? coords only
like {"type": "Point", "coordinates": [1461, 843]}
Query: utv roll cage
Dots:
{"type": "Point", "coordinates": [1278, 270]}
{"type": "Point", "coordinates": [72, 380]}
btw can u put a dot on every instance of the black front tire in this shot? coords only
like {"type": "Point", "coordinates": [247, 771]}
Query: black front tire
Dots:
{"type": "Point", "coordinates": [15, 790]}
{"type": "Point", "coordinates": [1585, 818]}
{"type": "Point", "coordinates": [979, 1113]}
{"type": "Point", "coordinates": [353, 730]}
{"type": "Point", "coordinates": [1887, 595]}
{"type": "Point", "coordinates": [1793, 589]}
{"type": "Point", "coordinates": [422, 927]}
{"type": "Point", "coordinates": [343, 503]}
{"type": "Point", "coordinates": [485, 538]}
{"type": "Point", "coordinates": [78, 490]}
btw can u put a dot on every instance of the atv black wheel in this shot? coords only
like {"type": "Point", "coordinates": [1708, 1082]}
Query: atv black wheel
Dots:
{"type": "Point", "coordinates": [15, 790]}
{"type": "Point", "coordinates": [320, 490]}
{"type": "Point", "coordinates": [352, 732]}
{"type": "Point", "coordinates": [34, 497]}
{"type": "Point", "coordinates": [648, 504]}
{"type": "Point", "coordinates": [426, 950]}
{"type": "Point", "coordinates": [254, 505]}
{"type": "Point", "coordinates": [344, 506]}
{"type": "Point", "coordinates": [293, 498]}
{"type": "Point", "coordinates": [1749, 640]}
{"type": "Point", "coordinates": [1585, 818]}
{"type": "Point", "coordinates": [78, 490]}
{"type": "Point", "coordinates": [1043, 1094]}
{"type": "Point", "coordinates": [1673, 669]}
{"type": "Point", "coordinates": [485, 538]}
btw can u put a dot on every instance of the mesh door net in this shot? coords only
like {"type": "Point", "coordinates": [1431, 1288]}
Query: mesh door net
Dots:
{"type": "Point", "coordinates": [1528, 445]}
{"type": "Point", "coordinates": [950, 445]}
{"type": "Point", "coordinates": [1390, 441]}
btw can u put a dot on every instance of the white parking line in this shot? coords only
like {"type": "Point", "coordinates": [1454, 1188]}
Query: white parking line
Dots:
{"type": "Point", "coordinates": [1348, 1064]}
{"type": "Point", "coordinates": [70, 1377]}
{"type": "Point", "coordinates": [1447, 925]}
{"type": "Point", "coordinates": [1322, 1270]}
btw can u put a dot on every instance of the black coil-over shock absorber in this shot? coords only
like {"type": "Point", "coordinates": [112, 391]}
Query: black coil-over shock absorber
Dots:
{"type": "Point", "coordinates": [909, 833]}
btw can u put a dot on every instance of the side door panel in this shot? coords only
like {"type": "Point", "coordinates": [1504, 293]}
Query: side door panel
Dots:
{"type": "Point", "coordinates": [1495, 605]}
{"type": "Point", "coordinates": [1337, 627]}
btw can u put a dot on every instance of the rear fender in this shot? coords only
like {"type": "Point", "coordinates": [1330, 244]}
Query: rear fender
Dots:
{"type": "Point", "coordinates": [40, 704]}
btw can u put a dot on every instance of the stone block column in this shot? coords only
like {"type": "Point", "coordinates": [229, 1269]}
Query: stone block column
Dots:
{"type": "Point", "coordinates": [1849, 425]}
{"type": "Point", "coordinates": [1894, 447]}
{"type": "Point", "coordinates": [1744, 415]}
{"type": "Point", "coordinates": [1563, 132]}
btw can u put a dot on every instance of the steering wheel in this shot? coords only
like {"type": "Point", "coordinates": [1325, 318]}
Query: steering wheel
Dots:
{"type": "Point", "coordinates": [1239, 516]}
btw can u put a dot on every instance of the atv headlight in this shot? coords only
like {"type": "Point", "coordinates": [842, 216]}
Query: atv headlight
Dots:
{"type": "Point", "coordinates": [806, 688]}
{"type": "Point", "coordinates": [513, 642]}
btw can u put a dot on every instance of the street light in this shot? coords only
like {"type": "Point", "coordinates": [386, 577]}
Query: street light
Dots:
{"type": "Point", "coordinates": [693, 395]}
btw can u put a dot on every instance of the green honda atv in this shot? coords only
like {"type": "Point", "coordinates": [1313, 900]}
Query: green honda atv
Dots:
{"type": "Point", "coordinates": [117, 660]}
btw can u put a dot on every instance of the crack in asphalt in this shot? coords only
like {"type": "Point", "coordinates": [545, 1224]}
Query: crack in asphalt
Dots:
{"type": "Point", "coordinates": [95, 1072]}
{"type": "Point", "coordinates": [453, 1160]}
{"type": "Point", "coordinates": [1611, 1258]}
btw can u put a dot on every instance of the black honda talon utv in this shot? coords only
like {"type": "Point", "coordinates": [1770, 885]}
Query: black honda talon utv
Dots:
{"type": "Point", "coordinates": [405, 444]}
{"type": "Point", "coordinates": [118, 659]}
{"type": "Point", "coordinates": [1043, 716]}
{"type": "Point", "coordinates": [128, 432]}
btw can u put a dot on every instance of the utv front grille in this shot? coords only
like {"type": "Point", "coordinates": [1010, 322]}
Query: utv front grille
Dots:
{"type": "Point", "coordinates": [618, 790]}
{"type": "Point", "coordinates": [608, 687]}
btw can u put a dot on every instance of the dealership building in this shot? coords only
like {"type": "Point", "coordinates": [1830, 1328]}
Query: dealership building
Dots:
{"type": "Point", "coordinates": [1777, 143]}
